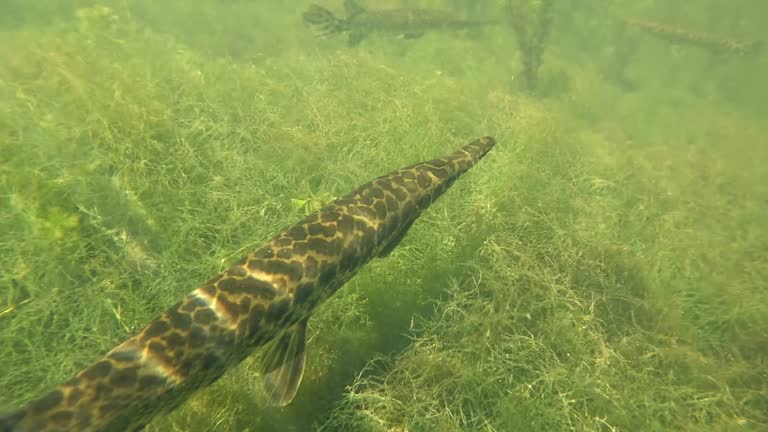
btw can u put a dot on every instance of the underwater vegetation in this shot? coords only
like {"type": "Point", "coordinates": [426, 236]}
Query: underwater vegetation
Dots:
{"type": "Point", "coordinates": [602, 270]}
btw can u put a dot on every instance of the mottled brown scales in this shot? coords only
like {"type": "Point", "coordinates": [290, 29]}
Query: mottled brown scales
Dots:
{"type": "Point", "coordinates": [263, 300]}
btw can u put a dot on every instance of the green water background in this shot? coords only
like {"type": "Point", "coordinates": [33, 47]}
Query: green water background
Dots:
{"type": "Point", "coordinates": [603, 269]}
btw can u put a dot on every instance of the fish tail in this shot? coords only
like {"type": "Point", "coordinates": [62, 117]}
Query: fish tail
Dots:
{"type": "Point", "coordinates": [323, 20]}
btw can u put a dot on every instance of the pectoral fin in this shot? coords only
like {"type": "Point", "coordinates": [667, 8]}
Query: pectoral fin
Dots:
{"type": "Point", "coordinates": [283, 364]}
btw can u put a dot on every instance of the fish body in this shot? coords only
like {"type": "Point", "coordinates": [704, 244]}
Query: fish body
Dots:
{"type": "Point", "coordinates": [410, 23]}
{"type": "Point", "coordinates": [707, 41]}
{"type": "Point", "coordinates": [264, 300]}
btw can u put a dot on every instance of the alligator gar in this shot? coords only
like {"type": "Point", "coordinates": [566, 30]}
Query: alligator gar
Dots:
{"type": "Point", "coordinates": [410, 23]}
{"type": "Point", "coordinates": [264, 300]}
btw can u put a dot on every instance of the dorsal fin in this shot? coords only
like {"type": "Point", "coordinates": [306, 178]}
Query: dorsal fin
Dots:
{"type": "Point", "coordinates": [353, 9]}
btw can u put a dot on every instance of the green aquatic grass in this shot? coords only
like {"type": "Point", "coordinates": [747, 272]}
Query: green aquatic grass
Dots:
{"type": "Point", "coordinates": [591, 311]}
{"type": "Point", "coordinates": [602, 269]}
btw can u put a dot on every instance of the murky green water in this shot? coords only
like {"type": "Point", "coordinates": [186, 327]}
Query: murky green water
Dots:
{"type": "Point", "coordinates": [603, 268]}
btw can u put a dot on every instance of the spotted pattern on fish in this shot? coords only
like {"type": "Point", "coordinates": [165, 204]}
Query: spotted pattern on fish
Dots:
{"type": "Point", "coordinates": [245, 307]}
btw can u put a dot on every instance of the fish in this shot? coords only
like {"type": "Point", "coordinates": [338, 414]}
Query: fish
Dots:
{"type": "Point", "coordinates": [714, 44]}
{"type": "Point", "coordinates": [262, 301]}
{"type": "Point", "coordinates": [409, 23]}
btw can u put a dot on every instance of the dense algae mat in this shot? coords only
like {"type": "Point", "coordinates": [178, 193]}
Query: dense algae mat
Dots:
{"type": "Point", "coordinates": [580, 281]}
